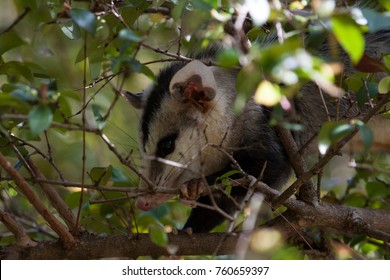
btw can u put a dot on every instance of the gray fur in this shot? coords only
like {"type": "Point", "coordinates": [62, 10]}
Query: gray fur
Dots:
{"type": "Point", "coordinates": [248, 135]}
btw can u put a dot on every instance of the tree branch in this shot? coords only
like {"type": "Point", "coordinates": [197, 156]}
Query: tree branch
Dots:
{"type": "Point", "coordinates": [122, 246]}
{"type": "Point", "coordinates": [298, 163]}
{"type": "Point", "coordinates": [56, 200]}
{"type": "Point", "coordinates": [17, 229]}
{"type": "Point", "coordinates": [373, 222]}
{"type": "Point", "coordinates": [59, 228]}
{"type": "Point", "coordinates": [327, 157]}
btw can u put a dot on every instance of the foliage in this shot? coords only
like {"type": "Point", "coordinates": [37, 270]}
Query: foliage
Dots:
{"type": "Point", "coordinates": [65, 65]}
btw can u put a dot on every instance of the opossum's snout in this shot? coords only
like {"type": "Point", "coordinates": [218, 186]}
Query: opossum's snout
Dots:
{"type": "Point", "coordinates": [144, 205]}
{"type": "Point", "coordinates": [148, 202]}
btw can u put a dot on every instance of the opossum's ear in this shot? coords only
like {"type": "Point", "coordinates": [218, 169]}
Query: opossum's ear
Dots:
{"type": "Point", "coordinates": [194, 84]}
{"type": "Point", "coordinates": [134, 99]}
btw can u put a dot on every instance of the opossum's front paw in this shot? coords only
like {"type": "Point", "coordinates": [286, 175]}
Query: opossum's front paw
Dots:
{"type": "Point", "coordinates": [193, 189]}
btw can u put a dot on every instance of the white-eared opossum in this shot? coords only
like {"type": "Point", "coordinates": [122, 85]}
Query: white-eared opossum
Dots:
{"type": "Point", "coordinates": [190, 109]}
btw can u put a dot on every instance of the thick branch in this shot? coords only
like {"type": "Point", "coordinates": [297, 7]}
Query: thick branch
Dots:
{"type": "Point", "coordinates": [372, 222]}
{"type": "Point", "coordinates": [298, 163]}
{"type": "Point", "coordinates": [122, 246]}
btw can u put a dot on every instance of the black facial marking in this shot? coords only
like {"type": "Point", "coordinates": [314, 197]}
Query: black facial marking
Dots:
{"type": "Point", "coordinates": [159, 93]}
{"type": "Point", "coordinates": [161, 90]}
{"type": "Point", "coordinates": [166, 145]}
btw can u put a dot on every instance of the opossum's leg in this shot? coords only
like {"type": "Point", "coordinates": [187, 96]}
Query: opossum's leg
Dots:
{"type": "Point", "coordinates": [204, 219]}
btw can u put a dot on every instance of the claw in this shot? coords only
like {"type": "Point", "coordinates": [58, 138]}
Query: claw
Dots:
{"type": "Point", "coordinates": [175, 231]}
{"type": "Point", "coordinates": [193, 189]}
{"type": "Point", "coordinates": [188, 231]}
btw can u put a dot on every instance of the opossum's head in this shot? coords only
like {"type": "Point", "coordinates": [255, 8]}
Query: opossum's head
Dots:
{"type": "Point", "coordinates": [187, 110]}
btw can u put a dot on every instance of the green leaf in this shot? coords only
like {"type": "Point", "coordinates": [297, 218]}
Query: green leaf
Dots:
{"type": "Point", "coordinates": [369, 247]}
{"type": "Point", "coordinates": [355, 199]}
{"type": "Point", "coordinates": [9, 40]}
{"type": "Point", "coordinates": [129, 35]}
{"type": "Point", "coordinates": [95, 58]}
{"type": "Point", "coordinates": [340, 131]}
{"type": "Point", "coordinates": [228, 58]}
{"type": "Point", "coordinates": [94, 69]}
{"type": "Point", "coordinates": [128, 62]}
{"type": "Point", "coordinates": [362, 95]}
{"type": "Point", "coordinates": [386, 60]}
{"type": "Point", "coordinates": [384, 85]}
{"type": "Point", "coordinates": [73, 200]}
{"type": "Point", "coordinates": [178, 9]}
{"type": "Point", "coordinates": [117, 176]}
{"type": "Point", "coordinates": [376, 21]}
{"type": "Point", "coordinates": [100, 121]}
{"type": "Point", "coordinates": [12, 103]}
{"type": "Point", "coordinates": [331, 132]}
{"type": "Point", "coordinates": [377, 189]}
{"type": "Point", "coordinates": [158, 235]}
{"type": "Point", "coordinates": [85, 20]}
{"type": "Point", "coordinates": [349, 36]}
{"type": "Point", "coordinates": [7, 150]}
{"type": "Point", "coordinates": [385, 3]}
{"type": "Point", "coordinates": [71, 30]}
{"type": "Point", "coordinates": [366, 134]}
{"type": "Point", "coordinates": [100, 175]}
{"type": "Point", "coordinates": [40, 118]}
{"type": "Point", "coordinates": [148, 73]}
{"type": "Point", "coordinates": [14, 69]}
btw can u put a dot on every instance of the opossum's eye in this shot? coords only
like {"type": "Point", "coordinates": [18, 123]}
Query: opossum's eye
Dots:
{"type": "Point", "coordinates": [166, 145]}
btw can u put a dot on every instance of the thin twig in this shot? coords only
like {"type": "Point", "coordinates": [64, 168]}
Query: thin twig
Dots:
{"type": "Point", "coordinates": [17, 20]}
{"type": "Point", "coordinates": [83, 120]}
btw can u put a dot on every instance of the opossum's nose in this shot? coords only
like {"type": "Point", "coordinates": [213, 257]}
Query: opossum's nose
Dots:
{"type": "Point", "coordinates": [144, 204]}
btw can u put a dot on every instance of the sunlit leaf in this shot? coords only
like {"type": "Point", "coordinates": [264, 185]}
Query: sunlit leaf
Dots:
{"type": "Point", "coordinates": [267, 94]}
{"type": "Point", "coordinates": [349, 35]}
{"type": "Point", "coordinates": [385, 3]}
{"type": "Point", "coordinates": [330, 133]}
{"type": "Point", "coordinates": [386, 59]}
{"type": "Point", "coordinates": [384, 85]}
{"type": "Point", "coordinates": [71, 30]}
{"type": "Point", "coordinates": [158, 235]}
{"type": "Point", "coordinates": [259, 10]}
